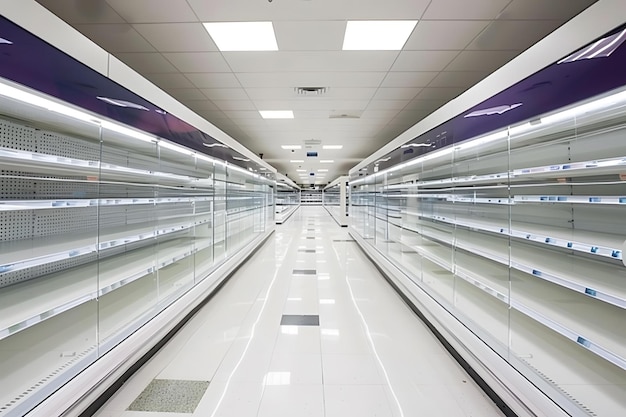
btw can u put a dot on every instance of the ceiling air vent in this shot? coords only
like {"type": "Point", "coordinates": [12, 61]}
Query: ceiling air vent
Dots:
{"type": "Point", "coordinates": [310, 91]}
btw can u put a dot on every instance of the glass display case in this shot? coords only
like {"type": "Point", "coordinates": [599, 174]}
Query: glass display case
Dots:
{"type": "Point", "coordinates": [311, 196]}
{"type": "Point", "coordinates": [102, 227]}
{"type": "Point", "coordinates": [518, 233]}
{"type": "Point", "coordinates": [287, 198]}
{"type": "Point", "coordinates": [335, 198]}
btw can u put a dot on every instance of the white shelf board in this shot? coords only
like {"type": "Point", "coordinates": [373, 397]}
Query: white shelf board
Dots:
{"type": "Point", "coordinates": [31, 302]}
{"type": "Point", "coordinates": [599, 244]}
{"type": "Point", "coordinates": [28, 253]}
{"type": "Point", "coordinates": [12, 205]}
{"type": "Point", "coordinates": [47, 164]}
{"type": "Point", "coordinates": [595, 279]}
{"type": "Point", "coordinates": [607, 343]}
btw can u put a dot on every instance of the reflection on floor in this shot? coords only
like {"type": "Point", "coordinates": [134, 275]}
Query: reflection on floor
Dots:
{"type": "Point", "coordinates": [307, 327]}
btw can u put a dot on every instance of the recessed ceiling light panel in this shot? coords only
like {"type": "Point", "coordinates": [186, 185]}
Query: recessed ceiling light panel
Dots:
{"type": "Point", "coordinates": [377, 35]}
{"type": "Point", "coordinates": [243, 36]}
{"type": "Point", "coordinates": [276, 114]}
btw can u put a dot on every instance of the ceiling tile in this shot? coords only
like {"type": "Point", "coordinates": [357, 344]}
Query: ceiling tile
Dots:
{"type": "Point", "coordinates": [244, 114]}
{"type": "Point", "coordinates": [310, 36]}
{"type": "Point", "coordinates": [301, 79]}
{"type": "Point", "coordinates": [184, 94]}
{"type": "Point", "coordinates": [80, 12]}
{"type": "Point", "coordinates": [387, 104]}
{"type": "Point", "coordinates": [310, 61]}
{"type": "Point", "coordinates": [166, 81]}
{"type": "Point", "coordinates": [425, 104]}
{"type": "Point", "coordinates": [116, 37]}
{"type": "Point", "coordinates": [177, 37]}
{"type": "Point", "coordinates": [444, 34]}
{"type": "Point", "coordinates": [379, 114]}
{"type": "Point", "coordinates": [225, 93]}
{"type": "Point", "coordinates": [234, 104]}
{"type": "Point", "coordinates": [408, 79]}
{"type": "Point", "coordinates": [396, 93]}
{"type": "Point", "coordinates": [245, 10]}
{"type": "Point", "coordinates": [147, 62]}
{"type": "Point", "coordinates": [439, 93]}
{"type": "Point", "coordinates": [288, 93]}
{"type": "Point", "coordinates": [198, 61]}
{"type": "Point", "coordinates": [200, 105]}
{"type": "Point", "coordinates": [465, 10]}
{"type": "Point", "coordinates": [213, 80]}
{"type": "Point", "coordinates": [154, 11]}
{"type": "Point", "coordinates": [423, 60]}
{"type": "Point", "coordinates": [541, 9]}
{"type": "Point", "coordinates": [212, 115]}
{"type": "Point", "coordinates": [410, 116]}
{"type": "Point", "coordinates": [457, 78]}
{"type": "Point", "coordinates": [513, 34]}
{"type": "Point", "coordinates": [481, 60]}
{"type": "Point", "coordinates": [316, 104]}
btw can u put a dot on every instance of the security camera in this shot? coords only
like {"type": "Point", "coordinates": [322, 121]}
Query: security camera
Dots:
{"type": "Point", "coordinates": [261, 155]}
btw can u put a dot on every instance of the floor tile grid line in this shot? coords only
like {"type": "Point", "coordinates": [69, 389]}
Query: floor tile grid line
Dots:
{"type": "Point", "coordinates": [228, 382]}
{"type": "Point", "coordinates": [290, 279]}
{"type": "Point", "coordinates": [373, 347]}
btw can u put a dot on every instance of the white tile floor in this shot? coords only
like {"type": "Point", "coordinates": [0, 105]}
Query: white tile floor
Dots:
{"type": "Point", "coordinates": [370, 356]}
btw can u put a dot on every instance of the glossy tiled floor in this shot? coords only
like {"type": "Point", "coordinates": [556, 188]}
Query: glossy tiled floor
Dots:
{"type": "Point", "coordinates": [368, 356]}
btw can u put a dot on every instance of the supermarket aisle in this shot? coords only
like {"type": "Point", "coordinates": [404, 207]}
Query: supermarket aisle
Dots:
{"type": "Point", "coordinates": [307, 327]}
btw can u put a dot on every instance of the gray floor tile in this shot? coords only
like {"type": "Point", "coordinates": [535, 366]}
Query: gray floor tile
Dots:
{"type": "Point", "coordinates": [304, 272]}
{"type": "Point", "coordinates": [170, 396]}
{"type": "Point", "coordinates": [300, 320]}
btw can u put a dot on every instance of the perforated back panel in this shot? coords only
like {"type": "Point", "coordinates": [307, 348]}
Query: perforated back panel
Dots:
{"type": "Point", "coordinates": [51, 143]}
{"type": "Point", "coordinates": [16, 136]}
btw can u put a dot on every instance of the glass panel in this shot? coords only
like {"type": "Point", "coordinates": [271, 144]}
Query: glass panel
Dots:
{"type": "Point", "coordinates": [48, 251]}
{"type": "Point", "coordinates": [128, 231]}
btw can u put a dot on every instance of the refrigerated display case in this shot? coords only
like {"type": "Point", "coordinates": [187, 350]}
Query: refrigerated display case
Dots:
{"type": "Point", "coordinates": [287, 198]}
{"type": "Point", "coordinates": [104, 229]}
{"type": "Point", "coordinates": [517, 232]}
{"type": "Point", "coordinates": [335, 198]}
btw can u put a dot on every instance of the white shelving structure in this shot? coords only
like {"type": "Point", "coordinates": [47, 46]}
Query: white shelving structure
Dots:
{"type": "Point", "coordinates": [511, 243]}
{"type": "Point", "coordinates": [109, 237]}
{"type": "Point", "coordinates": [335, 198]}
{"type": "Point", "coordinates": [523, 246]}
{"type": "Point", "coordinates": [287, 198]}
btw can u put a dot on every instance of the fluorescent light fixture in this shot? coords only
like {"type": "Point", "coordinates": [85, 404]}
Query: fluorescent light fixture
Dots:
{"type": "Point", "coordinates": [297, 161]}
{"type": "Point", "coordinates": [291, 146]}
{"type": "Point", "coordinates": [238, 158]}
{"type": "Point", "coordinates": [276, 114]}
{"type": "Point", "coordinates": [332, 147]}
{"type": "Point", "coordinates": [175, 148]}
{"type": "Point", "coordinates": [327, 161]}
{"type": "Point", "coordinates": [300, 170]}
{"type": "Point", "coordinates": [322, 170]}
{"type": "Point", "coordinates": [128, 132]}
{"type": "Point", "coordinates": [377, 35]}
{"type": "Point", "coordinates": [5, 41]}
{"type": "Point", "coordinates": [243, 36]}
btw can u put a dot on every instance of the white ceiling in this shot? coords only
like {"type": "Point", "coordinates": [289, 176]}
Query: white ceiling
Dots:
{"type": "Point", "coordinates": [455, 44]}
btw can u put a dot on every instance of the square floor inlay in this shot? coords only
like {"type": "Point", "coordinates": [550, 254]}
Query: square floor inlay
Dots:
{"type": "Point", "coordinates": [300, 320]}
{"type": "Point", "coordinates": [306, 250]}
{"type": "Point", "coordinates": [170, 396]}
{"type": "Point", "coordinates": [304, 272]}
